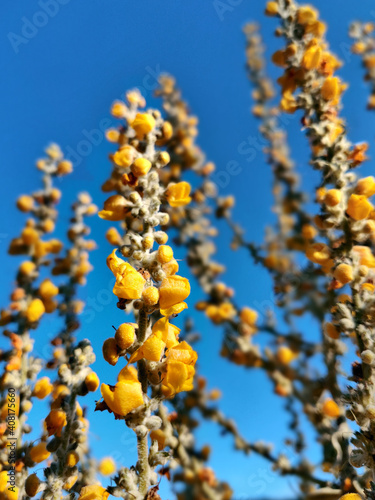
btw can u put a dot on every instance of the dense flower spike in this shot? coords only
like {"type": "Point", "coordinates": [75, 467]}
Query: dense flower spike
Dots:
{"type": "Point", "coordinates": [31, 299]}
{"type": "Point", "coordinates": [146, 280]}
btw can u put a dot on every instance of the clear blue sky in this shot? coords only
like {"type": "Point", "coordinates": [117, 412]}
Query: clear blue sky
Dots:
{"type": "Point", "coordinates": [61, 71]}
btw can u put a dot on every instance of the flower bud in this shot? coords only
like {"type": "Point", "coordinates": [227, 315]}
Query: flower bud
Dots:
{"type": "Point", "coordinates": [125, 336]}
{"type": "Point", "coordinates": [110, 352]}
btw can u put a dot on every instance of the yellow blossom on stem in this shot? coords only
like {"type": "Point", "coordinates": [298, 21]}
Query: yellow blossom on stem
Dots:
{"type": "Point", "coordinates": [107, 466]}
{"type": "Point", "coordinates": [143, 124]}
{"type": "Point", "coordinates": [178, 194]}
{"type": "Point", "coordinates": [332, 197]}
{"type": "Point", "coordinates": [366, 186]}
{"type": "Point", "coordinates": [141, 166]}
{"type": "Point", "coordinates": [35, 310]}
{"type": "Point", "coordinates": [129, 283]}
{"type": "Point", "coordinates": [330, 409]}
{"type": "Point", "coordinates": [176, 309]}
{"type": "Point", "coordinates": [343, 273]}
{"type": "Point", "coordinates": [150, 296]}
{"type": "Point", "coordinates": [331, 88]}
{"type": "Point", "coordinates": [124, 156]}
{"type": "Point", "coordinates": [32, 485]}
{"type": "Point", "coordinates": [92, 381]}
{"type": "Point", "coordinates": [126, 395]}
{"type": "Point", "coordinates": [55, 421]}
{"type": "Point", "coordinates": [164, 254]}
{"type": "Point", "coordinates": [359, 207]}
{"type": "Point", "coordinates": [115, 208]}
{"type": "Point", "coordinates": [319, 253]}
{"type": "Point", "coordinates": [110, 351]}
{"type": "Point", "coordinates": [163, 335]}
{"type": "Point", "coordinates": [271, 9]}
{"type": "Point", "coordinates": [39, 452]}
{"type": "Point", "coordinates": [125, 336]}
{"type": "Point", "coordinates": [48, 290]}
{"type": "Point", "coordinates": [93, 492]}
{"type": "Point", "coordinates": [173, 289]}
{"type": "Point", "coordinates": [180, 370]}
{"type": "Point", "coordinates": [312, 57]}
{"type": "Point", "coordinates": [42, 388]}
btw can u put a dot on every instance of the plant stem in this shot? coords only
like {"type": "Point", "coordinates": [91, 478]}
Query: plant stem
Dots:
{"type": "Point", "coordinates": [143, 465]}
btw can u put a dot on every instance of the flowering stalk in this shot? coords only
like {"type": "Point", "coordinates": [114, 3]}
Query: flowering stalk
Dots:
{"type": "Point", "coordinates": [148, 283]}
{"type": "Point", "coordinates": [65, 421]}
{"type": "Point", "coordinates": [29, 302]}
{"type": "Point", "coordinates": [345, 221]}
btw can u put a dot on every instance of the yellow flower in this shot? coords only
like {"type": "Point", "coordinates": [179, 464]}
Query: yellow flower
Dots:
{"type": "Point", "coordinates": [366, 186]}
{"type": "Point", "coordinates": [288, 103]}
{"type": "Point", "coordinates": [115, 208]}
{"type": "Point", "coordinates": [343, 273]}
{"type": "Point", "coordinates": [92, 381]}
{"type": "Point", "coordinates": [176, 309]}
{"type": "Point", "coordinates": [124, 156]}
{"type": "Point", "coordinates": [64, 167]}
{"type": "Point", "coordinates": [126, 395]}
{"type": "Point", "coordinates": [173, 289]}
{"type": "Point", "coordinates": [164, 254]}
{"type": "Point", "coordinates": [27, 267]}
{"type": "Point", "coordinates": [141, 166]}
{"type": "Point", "coordinates": [365, 255]}
{"type": "Point", "coordinates": [107, 466]}
{"type": "Point", "coordinates": [171, 267]}
{"type": "Point", "coordinates": [129, 283]}
{"type": "Point", "coordinates": [110, 351]}
{"type": "Point", "coordinates": [93, 492]}
{"type": "Point", "coordinates": [143, 124]}
{"type": "Point", "coordinates": [118, 109]}
{"type": "Point", "coordinates": [330, 409]}
{"type": "Point", "coordinates": [113, 236]}
{"type": "Point", "coordinates": [331, 88]}
{"type": "Point", "coordinates": [221, 313]}
{"type": "Point", "coordinates": [35, 310]}
{"type": "Point", "coordinates": [125, 335]}
{"type": "Point", "coordinates": [178, 194]}
{"type": "Point", "coordinates": [30, 235]}
{"type": "Point", "coordinates": [55, 421]}
{"type": "Point", "coordinates": [42, 388]}
{"type": "Point", "coordinates": [351, 496]}
{"type": "Point", "coordinates": [248, 316]}
{"type": "Point", "coordinates": [150, 296]}
{"type": "Point", "coordinates": [39, 452]}
{"type": "Point", "coordinates": [158, 436]}
{"type": "Point", "coordinates": [279, 58]}
{"type": "Point", "coordinates": [359, 207]}
{"type": "Point", "coordinates": [319, 253]}
{"type": "Point", "coordinates": [48, 290]}
{"type": "Point", "coordinates": [271, 9]}
{"type": "Point", "coordinates": [163, 335]}
{"type": "Point", "coordinates": [285, 355]}
{"type": "Point", "coordinates": [332, 197]}
{"type": "Point", "coordinates": [112, 135]}
{"type": "Point", "coordinates": [25, 203]}
{"type": "Point", "coordinates": [180, 370]}
{"type": "Point", "coordinates": [72, 459]}
{"type": "Point", "coordinates": [309, 232]}
{"type": "Point", "coordinates": [306, 15]}
{"type": "Point", "coordinates": [312, 57]}
{"type": "Point", "coordinates": [32, 485]}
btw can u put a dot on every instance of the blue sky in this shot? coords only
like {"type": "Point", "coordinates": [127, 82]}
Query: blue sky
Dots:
{"type": "Point", "coordinates": [62, 67]}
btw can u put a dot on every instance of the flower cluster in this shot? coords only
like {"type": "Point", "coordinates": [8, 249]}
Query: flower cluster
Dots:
{"type": "Point", "coordinates": [146, 282]}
